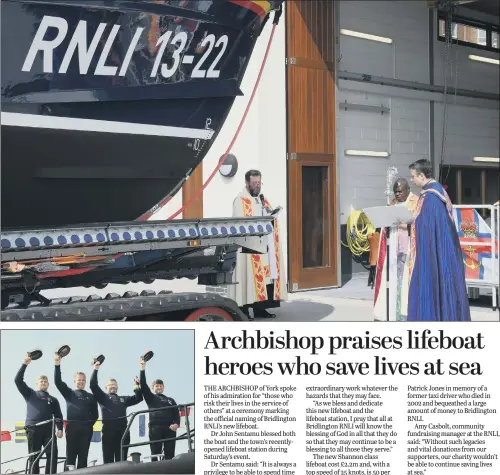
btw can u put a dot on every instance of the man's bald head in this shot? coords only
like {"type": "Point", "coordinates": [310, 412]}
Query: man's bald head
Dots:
{"type": "Point", "coordinates": [401, 189]}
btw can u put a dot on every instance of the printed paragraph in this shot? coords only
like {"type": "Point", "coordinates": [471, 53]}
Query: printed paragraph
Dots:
{"type": "Point", "coordinates": [251, 430]}
{"type": "Point", "coordinates": [349, 431]}
{"type": "Point", "coordinates": [449, 428]}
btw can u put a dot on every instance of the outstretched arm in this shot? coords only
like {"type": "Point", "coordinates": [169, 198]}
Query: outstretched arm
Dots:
{"type": "Point", "coordinates": [94, 386]}
{"type": "Point", "coordinates": [23, 388]}
{"type": "Point", "coordinates": [60, 384]}
{"type": "Point", "coordinates": [146, 392]}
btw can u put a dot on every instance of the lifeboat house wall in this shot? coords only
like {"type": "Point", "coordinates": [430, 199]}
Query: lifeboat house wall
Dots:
{"type": "Point", "coordinates": [375, 118]}
{"type": "Point", "coordinates": [473, 125]}
{"type": "Point", "coordinates": [409, 130]}
{"type": "Point", "coordinates": [413, 127]}
{"type": "Point", "coordinates": [261, 145]}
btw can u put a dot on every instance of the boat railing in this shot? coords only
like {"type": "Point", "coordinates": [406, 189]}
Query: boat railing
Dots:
{"type": "Point", "coordinates": [39, 453]}
{"type": "Point", "coordinates": [27, 468]}
{"type": "Point", "coordinates": [189, 435]}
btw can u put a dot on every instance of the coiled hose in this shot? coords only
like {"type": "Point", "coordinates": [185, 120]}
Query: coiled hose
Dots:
{"type": "Point", "coordinates": [359, 227]}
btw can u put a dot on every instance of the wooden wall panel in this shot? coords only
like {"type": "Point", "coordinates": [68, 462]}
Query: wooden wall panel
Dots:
{"type": "Point", "coordinates": [330, 123]}
{"type": "Point", "coordinates": [310, 32]}
{"type": "Point", "coordinates": [311, 106]}
{"type": "Point", "coordinates": [189, 189]}
{"type": "Point", "coordinates": [311, 134]}
{"type": "Point", "coordinates": [311, 82]}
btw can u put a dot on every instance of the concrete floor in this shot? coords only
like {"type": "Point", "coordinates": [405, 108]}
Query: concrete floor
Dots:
{"type": "Point", "coordinates": [353, 303]}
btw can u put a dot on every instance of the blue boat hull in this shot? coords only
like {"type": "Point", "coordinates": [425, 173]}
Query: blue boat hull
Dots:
{"type": "Point", "coordinates": [107, 106]}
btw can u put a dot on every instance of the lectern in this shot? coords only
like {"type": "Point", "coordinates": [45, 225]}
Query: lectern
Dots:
{"type": "Point", "coordinates": [389, 217]}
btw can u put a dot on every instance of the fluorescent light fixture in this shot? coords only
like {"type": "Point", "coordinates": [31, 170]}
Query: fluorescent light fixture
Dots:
{"type": "Point", "coordinates": [366, 153]}
{"type": "Point", "coordinates": [366, 36]}
{"type": "Point", "coordinates": [487, 159]}
{"type": "Point", "coordinates": [483, 59]}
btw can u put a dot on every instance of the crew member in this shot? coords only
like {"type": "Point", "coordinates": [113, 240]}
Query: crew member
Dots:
{"type": "Point", "coordinates": [261, 277]}
{"type": "Point", "coordinates": [82, 414]}
{"type": "Point", "coordinates": [41, 406]}
{"type": "Point", "coordinates": [114, 415]}
{"type": "Point", "coordinates": [162, 424]}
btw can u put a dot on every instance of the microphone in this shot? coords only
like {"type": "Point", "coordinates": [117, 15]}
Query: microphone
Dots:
{"type": "Point", "coordinates": [269, 210]}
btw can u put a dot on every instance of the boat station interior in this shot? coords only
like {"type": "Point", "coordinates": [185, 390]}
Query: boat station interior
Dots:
{"type": "Point", "coordinates": [335, 101]}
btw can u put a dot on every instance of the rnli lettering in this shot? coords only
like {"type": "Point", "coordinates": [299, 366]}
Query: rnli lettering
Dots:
{"type": "Point", "coordinates": [85, 52]}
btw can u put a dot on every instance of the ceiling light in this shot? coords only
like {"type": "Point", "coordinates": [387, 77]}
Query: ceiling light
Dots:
{"type": "Point", "coordinates": [366, 36]}
{"type": "Point", "coordinates": [486, 159]}
{"type": "Point", "coordinates": [483, 59]}
{"type": "Point", "coordinates": [366, 153]}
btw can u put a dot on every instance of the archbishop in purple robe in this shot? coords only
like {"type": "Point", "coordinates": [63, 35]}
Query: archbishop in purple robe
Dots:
{"type": "Point", "coordinates": [437, 275]}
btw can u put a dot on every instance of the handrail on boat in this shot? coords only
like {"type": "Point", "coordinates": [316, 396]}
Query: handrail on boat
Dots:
{"type": "Point", "coordinates": [189, 435]}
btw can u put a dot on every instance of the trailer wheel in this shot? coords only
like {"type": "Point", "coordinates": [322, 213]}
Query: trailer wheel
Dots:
{"type": "Point", "coordinates": [209, 314]}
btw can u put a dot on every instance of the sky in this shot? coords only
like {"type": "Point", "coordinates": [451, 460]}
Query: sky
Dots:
{"type": "Point", "coordinates": [173, 362]}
